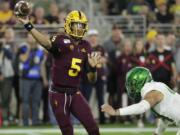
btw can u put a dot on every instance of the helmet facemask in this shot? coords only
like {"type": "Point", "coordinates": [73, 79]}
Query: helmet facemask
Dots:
{"type": "Point", "coordinates": [133, 89]}
{"type": "Point", "coordinates": [78, 29]}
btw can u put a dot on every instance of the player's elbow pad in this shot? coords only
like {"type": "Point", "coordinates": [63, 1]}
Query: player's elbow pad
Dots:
{"type": "Point", "coordinates": [135, 109]}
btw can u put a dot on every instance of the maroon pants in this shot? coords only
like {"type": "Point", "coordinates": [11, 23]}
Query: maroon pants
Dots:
{"type": "Point", "coordinates": [63, 105]}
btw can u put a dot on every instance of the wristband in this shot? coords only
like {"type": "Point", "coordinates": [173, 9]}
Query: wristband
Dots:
{"type": "Point", "coordinates": [28, 26]}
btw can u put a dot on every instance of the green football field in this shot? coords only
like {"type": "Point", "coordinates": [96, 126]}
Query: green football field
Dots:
{"type": "Point", "coordinates": [168, 133]}
{"type": "Point", "coordinates": [81, 131]}
{"type": "Point", "coordinates": [110, 133]}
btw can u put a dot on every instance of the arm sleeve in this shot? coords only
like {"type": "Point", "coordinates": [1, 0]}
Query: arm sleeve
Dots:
{"type": "Point", "coordinates": [135, 109]}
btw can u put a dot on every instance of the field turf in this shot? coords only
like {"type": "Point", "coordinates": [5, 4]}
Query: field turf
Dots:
{"type": "Point", "coordinates": [110, 130]}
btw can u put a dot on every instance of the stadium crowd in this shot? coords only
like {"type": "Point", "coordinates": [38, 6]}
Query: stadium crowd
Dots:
{"type": "Point", "coordinates": [25, 67]}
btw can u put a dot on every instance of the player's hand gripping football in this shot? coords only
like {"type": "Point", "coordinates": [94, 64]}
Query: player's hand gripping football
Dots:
{"type": "Point", "coordinates": [109, 110]}
{"type": "Point", "coordinates": [23, 20]}
{"type": "Point", "coordinates": [22, 11]}
{"type": "Point", "coordinates": [94, 59]}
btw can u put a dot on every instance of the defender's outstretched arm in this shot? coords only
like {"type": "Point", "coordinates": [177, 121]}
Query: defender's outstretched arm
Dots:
{"type": "Point", "coordinates": [151, 99]}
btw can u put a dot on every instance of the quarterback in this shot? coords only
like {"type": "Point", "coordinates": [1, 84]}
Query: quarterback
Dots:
{"type": "Point", "coordinates": [71, 56]}
{"type": "Point", "coordinates": [157, 96]}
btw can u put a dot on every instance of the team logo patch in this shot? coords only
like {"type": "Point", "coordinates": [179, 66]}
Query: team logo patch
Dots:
{"type": "Point", "coordinates": [83, 50]}
{"type": "Point", "coordinates": [71, 47]}
{"type": "Point", "coordinates": [67, 41]}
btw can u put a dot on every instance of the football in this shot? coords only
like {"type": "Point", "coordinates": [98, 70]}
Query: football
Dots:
{"type": "Point", "coordinates": [22, 8]}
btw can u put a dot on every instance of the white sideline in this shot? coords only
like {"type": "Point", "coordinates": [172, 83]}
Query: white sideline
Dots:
{"type": "Point", "coordinates": [80, 130]}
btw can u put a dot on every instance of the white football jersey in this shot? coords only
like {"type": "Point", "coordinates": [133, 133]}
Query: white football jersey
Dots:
{"type": "Point", "coordinates": [169, 107]}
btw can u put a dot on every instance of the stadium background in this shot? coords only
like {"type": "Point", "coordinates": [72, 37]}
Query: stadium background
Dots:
{"type": "Point", "coordinates": [129, 20]}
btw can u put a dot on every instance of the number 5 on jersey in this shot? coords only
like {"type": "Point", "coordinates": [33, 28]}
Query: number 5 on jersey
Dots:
{"type": "Point", "coordinates": [75, 68]}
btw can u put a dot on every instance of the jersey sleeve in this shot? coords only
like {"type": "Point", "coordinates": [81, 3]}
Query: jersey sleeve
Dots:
{"type": "Point", "coordinates": [55, 42]}
{"type": "Point", "coordinates": [148, 87]}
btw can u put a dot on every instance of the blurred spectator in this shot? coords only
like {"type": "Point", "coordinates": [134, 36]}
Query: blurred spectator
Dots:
{"type": "Point", "coordinates": [9, 35]}
{"type": "Point", "coordinates": [141, 7]}
{"type": "Point", "coordinates": [170, 42]}
{"type": "Point", "coordinates": [44, 4]}
{"type": "Point", "coordinates": [150, 40]}
{"type": "Point", "coordinates": [177, 58]}
{"type": "Point", "coordinates": [140, 55]}
{"type": "Point", "coordinates": [175, 9]}
{"type": "Point", "coordinates": [163, 15]}
{"type": "Point", "coordinates": [5, 12]}
{"type": "Point", "coordinates": [152, 3]}
{"type": "Point", "coordinates": [6, 76]}
{"type": "Point", "coordinates": [113, 48]}
{"type": "Point", "coordinates": [124, 64]}
{"type": "Point", "coordinates": [6, 16]}
{"type": "Point", "coordinates": [39, 16]}
{"type": "Point", "coordinates": [46, 67]}
{"type": "Point", "coordinates": [139, 59]}
{"type": "Point", "coordinates": [54, 14]}
{"type": "Point", "coordinates": [61, 17]}
{"type": "Point", "coordinates": [16, 82]}
{"type": "Point", "coordinates": [161, 62]}
{"type": "Point", "coordinates": [113, 7]}
{"type": "Point", "coordinates": [10, 40]}
{"type": "Point", "coordinates": [138, 7]}
{"type": "Point", "coordinates": [31, 57]}
{"type": "Point", "coordinates": [101, 75]}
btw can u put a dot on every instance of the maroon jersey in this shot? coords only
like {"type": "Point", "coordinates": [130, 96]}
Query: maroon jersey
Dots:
{"type": "Point", "coordinates": [140, 60]}
{"type": "Point", "coordinates": [160, 65]}
{"type": "Point", "coordinates": [69, 60]}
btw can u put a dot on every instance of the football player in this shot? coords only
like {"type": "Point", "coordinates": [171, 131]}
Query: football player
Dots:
{"type": "Point", "coordinates": [71, 56]}
{"type": "Point", "coordinates": [156, 96]}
